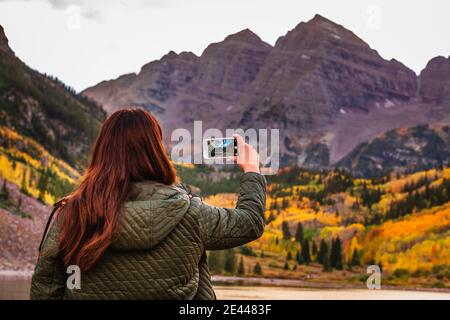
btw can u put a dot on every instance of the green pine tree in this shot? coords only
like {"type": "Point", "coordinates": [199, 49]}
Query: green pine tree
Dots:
{"type": "Point", "coordinates": [23, 184]}
{"type": "Point", "coordinates": [326, 263]}
{"type": "Point", "coordinates": [306, 257]}
{"type": "Point", "coordinates": [355, 261]}
{"type": "Point", "coordinates": [336, 254]}
{"type": "Point", "coordinates": [257, 270]}
{"type": "Point", "coordinates": [299, 233]}
{"type": "Point", "coordinates": [289, 256]}
{"type": "Point", "coordinates": [4, 193]}
{"type": "Point", "coordinates": [298, 257]}
{"type": "Point", "coordinates": [230, 261]}
{"type": "Point", "coordinates": [215, 261]}
{"type": "Point", "coordinates": [285, 230]}
{"type": "Point", "coordinates": [43, 181]}
{"type": "Point", "coordinates": [314, 248]}
{"type": "Point", "coordinates": [19, 203]}
{"type": "Point", "coordinates": [333, 256]}
{"type": "Point", "coordinates": [41, 196]}
{"type": "Point", "coordinates": [284, 203]}
{"type": "Point", "coordinates": [271, 217]}
{"type": "Point", "coordinates": [241, 268]}
{"type": "Point", "coordinates": [323, 251]}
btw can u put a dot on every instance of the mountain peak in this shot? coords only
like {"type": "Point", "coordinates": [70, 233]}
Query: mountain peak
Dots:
{"type": "Point", "coordinates": [245, 35]}
{"type": "Point", "coordinates": [438, 60]}
{"type": "Point", "coordinates": [439, 64]}
{"type": "Point", "coordinates": [435, 80]}
{"type": "Point", "coordinates": [172, 55]}
{"type": "Point", "coordinates": [319, 22]}
{"type": "Point", "coordinates": [319, 30]}
{"type": "Point", "coordinates": [4, 46]}
{"type": "Point", "coordinates": [320, 19]}
{"type": "Point", "coordinates": [242, 39]}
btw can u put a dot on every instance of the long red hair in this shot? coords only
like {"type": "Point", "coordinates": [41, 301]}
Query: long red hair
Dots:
{"type": "Point", "coordinates": [129, 148]}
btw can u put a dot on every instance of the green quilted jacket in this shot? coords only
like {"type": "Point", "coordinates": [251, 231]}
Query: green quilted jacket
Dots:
{"type": "Point", "coordinates": [158, 251]}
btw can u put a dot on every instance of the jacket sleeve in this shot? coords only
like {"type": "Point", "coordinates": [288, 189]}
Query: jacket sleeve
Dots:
{"type": "Point", "coordinates": [223, 228]}
{"type": "Point", "coordinates": [49, 279]}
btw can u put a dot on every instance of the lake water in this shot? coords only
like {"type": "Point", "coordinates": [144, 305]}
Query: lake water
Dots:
{"type": "Point", "coordinates": [17, 286]}
{"type": "Point", "coordinates": [14, 285]}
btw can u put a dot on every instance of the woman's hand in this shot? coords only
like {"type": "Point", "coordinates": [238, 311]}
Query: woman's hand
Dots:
{"type": "Point", "coordinates": [248, 157]}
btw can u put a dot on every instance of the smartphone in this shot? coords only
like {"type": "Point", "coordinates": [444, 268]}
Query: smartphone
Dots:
{"type": "Point", "coordinates": [220, 148]}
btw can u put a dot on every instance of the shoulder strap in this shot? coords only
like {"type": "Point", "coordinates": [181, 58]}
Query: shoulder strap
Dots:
{"type": "Point", "coordinates": [56, 206]}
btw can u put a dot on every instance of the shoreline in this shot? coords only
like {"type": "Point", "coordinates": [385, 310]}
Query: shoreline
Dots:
{"type": "Point", "coordinates": [302, 284]}
{"type": "Point", "coordinates": [16, 274]}
{"type": "Point", "coordinates": [218, 280]}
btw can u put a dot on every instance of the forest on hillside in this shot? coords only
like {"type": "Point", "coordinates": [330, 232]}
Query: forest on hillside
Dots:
{"type": "Point", "coordinates": [328, 227]}
{"type": "Point", "coordinates": [322, 225]}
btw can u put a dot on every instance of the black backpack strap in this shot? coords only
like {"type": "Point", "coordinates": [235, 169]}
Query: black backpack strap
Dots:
{"type": "Point", "coordinates": [56, 206]}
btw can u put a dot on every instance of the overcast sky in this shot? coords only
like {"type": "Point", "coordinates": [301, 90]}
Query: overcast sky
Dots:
{"type": "Point", "coordinates": [83, 42]}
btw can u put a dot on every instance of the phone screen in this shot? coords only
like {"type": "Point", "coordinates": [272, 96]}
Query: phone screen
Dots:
{"type": "Point", "coordinates": [221, 148]}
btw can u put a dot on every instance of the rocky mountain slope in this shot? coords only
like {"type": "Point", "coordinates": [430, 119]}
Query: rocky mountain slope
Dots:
{"type": "Point", "coordinates": [435, 81]}
{"type": "Point", "coordinates": [404, 150]}
{"type": "Point", "coordinates": [414, 148]}
{"type": "Point", "coordinates": [46, 131]}
{"type": "Point", "coordinates": [22, 221]}
{"type": "Point", "coordinates": [321, 85]}
{"type": "Point", "coordinates": [4, 47]}
{"type": "Point", "coordinates": [319, 69]}
{"type": "Point", "coordinates": [44, 109]}
{"type": "Point", "coordinates": [200, 87]}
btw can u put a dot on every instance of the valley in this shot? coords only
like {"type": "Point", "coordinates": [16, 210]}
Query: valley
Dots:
{"type": "Point", "coordinates": [327, 227]}
{"type": "Point", "coordinates": [365, 148]}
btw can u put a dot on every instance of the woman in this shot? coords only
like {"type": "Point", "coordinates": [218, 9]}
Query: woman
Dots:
{"type": "Point", "coordinates": [132, 231]}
